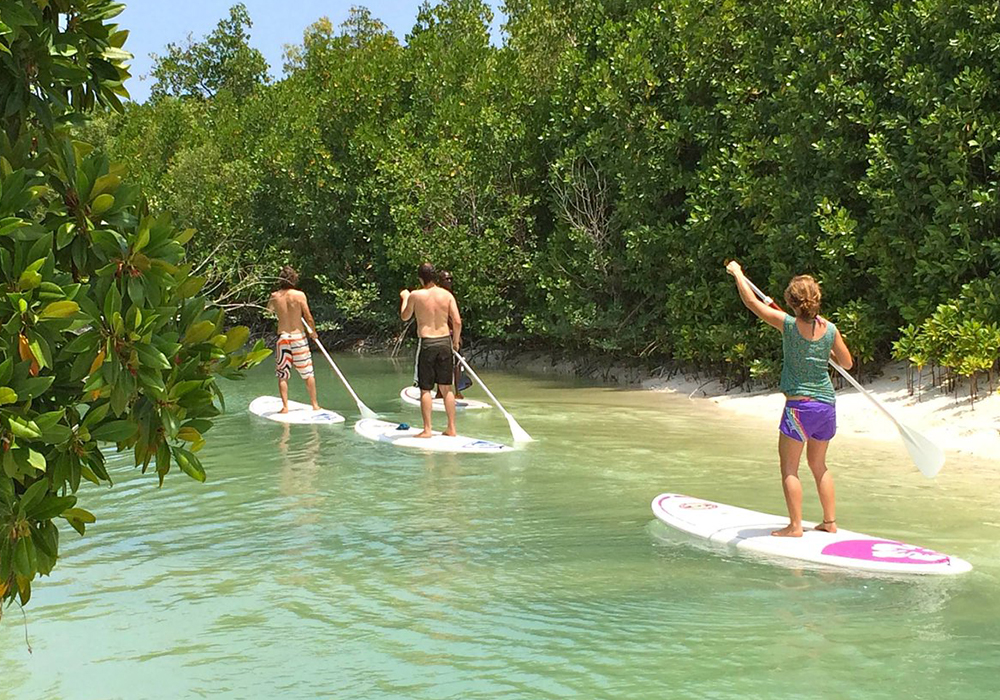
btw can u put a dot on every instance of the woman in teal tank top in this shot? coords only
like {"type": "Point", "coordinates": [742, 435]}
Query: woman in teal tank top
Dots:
{"type": "Point", "coordinates": [809, 419]}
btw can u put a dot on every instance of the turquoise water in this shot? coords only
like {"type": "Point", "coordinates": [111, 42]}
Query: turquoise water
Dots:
{"type": "Point", "coordinates": [315, 564]}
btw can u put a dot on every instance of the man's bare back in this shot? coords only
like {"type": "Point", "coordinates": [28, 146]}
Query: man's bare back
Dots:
{"type": "Point", "coordinates": [290, 305]}
{"type": "Point", "coordinates": [433, 307]}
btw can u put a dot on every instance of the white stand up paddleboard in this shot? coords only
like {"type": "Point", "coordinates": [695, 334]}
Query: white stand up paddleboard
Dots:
{"type": "Point", "coordinates": [298, 413]}
{"type": "Point", "coordinates": [411, 395]}
{"type": "Point", "coordinates": [751, 531]}
{"type": "Point", "coordinates": [383, 431]}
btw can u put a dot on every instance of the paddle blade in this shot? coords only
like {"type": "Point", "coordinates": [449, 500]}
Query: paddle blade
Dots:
{"type": "Point", "coordinates": [519, 433]}
{"type": "Point", "coordinates": [928, 457]}
{"type": "Point", "coordinates": [367, 412]}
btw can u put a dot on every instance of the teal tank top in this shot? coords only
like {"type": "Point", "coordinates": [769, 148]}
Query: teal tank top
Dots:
{"type": "Point", "coordinates": [804, 367]}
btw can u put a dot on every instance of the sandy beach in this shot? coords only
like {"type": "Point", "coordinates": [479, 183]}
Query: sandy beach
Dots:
{"type": "Point", "coordinates": [953, 423]}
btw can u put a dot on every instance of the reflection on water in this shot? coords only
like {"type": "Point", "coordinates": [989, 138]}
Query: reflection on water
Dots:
{"type": "Point", "coordinates": [316, 564]}
{"type": "Point", "coordinates": [299, 468]}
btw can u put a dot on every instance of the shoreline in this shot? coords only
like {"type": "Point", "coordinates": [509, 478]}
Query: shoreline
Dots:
{"type": "Point", "coordinates": [954, 424]}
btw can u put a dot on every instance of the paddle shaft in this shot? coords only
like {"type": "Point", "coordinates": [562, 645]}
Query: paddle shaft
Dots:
{"type": "Point", "coordinates": [365, 411]}
{"type": "Point", "coordinates": [520, 435]}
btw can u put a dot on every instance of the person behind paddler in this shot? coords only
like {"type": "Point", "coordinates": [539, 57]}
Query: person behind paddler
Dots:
{"type": "Point", "coordinates": [809, 419]}
{"type": "Point", "coordinates": [439, 333]}
{"type": "Point", "coordinates": [445, 280]}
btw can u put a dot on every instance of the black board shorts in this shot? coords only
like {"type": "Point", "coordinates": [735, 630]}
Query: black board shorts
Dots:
{"type": "Point", "coordinates": [435, 362]}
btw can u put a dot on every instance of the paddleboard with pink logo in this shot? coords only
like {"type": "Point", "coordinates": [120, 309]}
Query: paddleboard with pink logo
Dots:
{"type": "Point", "coordinates": [751, 531]}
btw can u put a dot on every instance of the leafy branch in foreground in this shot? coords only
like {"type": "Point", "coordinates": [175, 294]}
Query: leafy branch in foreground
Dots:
{"type": "Point", "coordinates": [104, 335]}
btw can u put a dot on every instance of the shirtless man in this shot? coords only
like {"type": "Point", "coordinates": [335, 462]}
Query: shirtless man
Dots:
{"type": "Point", "coordinates": [291, 306]}
{"type": "Point", "coordinates": [435, 308]}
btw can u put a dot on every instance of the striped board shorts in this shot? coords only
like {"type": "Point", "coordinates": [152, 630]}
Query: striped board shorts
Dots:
{"type": "Point", "coordinates": [293, 351]}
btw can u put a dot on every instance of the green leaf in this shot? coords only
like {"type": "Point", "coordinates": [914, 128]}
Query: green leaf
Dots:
{"type": "Point", "coordinates": [46, 537]}
{"type": "Point", "coordinates": [114, 431]}
{"type": "Point", "coordinates": [236, 338]}
{"type": "Point", "coordinates": [84, 516]}
{"type": "Point", "coordinates": [36, 460]}
{"type": "Point", "coordinates": [60, 309]}
{"type": "Point", "coordinates": [185, 236]}
{"type": "Point", "coordinates": [7, 395]}
{"type": "Point", "coordinates": [24, 429]}
{"type": "Point", "coordinates": [11, 224]}
{"type": "Point", "coordinates": [151, 357]}
{"type": "Point", "coordinates": [44, 421]}
{"type": "Point", "coordinates": [141, 239]}
{"type": "Point", "coordinates": [136, 291]}
{"type": "Point", "coordinates": [96, 415]}
{"type": "Point", "coordinates": [84, 342]}
{"type": "Point", "coordinates": [23, 556]}
{"type": "Point", "coordinates": [51, 507]}
{"type": "Point", "coordinates": [112, 302]}
{"type": "Point", "coordinates": [56, 434]}
{"type": "Point", "coordinates": [105, 184]}
{"type": "Point", "coordinates": [188, 434]}
{"type": "Point", "coordinates": [79, 518]}
{"type": "Point", "coordinates": [30, 388]}
{"type": "Point", "coordinates": [40, 349]}
{"type": "Point", "coordinates": [162, 461]}
{"type": "Point", "coordinates": [116, 54]}
{"type": "Point", "coordinates": [28, 280]}
{"type": "Point", "coordinates": [189, 287]}
{"type": "Point", "coordinates": [189, 463]}
{"type": "Point", "coordinates": [32, 495]}
{"type": "Point", "coordinates": [16, 15]}
{"type": "Point", "coordinates": [199, 332]}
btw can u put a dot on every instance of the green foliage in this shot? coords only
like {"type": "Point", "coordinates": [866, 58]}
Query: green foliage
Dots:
{"type": "Point", "coordinates": [858, 321]}
{"type": "Point", "coordinates": [103, 334]}
{"type": "Point", "coordinates": [959, 336]}
{"type": "Point", "coordinates": [223, 61]}
{"type": "Point", "coordinates": [586, 180]}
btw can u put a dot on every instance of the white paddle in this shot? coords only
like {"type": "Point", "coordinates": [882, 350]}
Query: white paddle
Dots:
{"type": "Point", "coordinates": [519, 433]}
{"type": "Point", "coordinates": [925, 454]}
{"type": "Point", "coordinates": [365, 411]}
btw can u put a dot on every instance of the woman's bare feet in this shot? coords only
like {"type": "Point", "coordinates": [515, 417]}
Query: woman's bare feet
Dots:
{"type": "Point", "coordinates": [827, 526]}
{"type": "Point", "coordinates": [424, 434]}
{"type": "Point", "coordinates": [788, 531]}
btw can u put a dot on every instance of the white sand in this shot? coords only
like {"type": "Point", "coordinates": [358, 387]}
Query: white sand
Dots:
{"type": "Point", "coordinates": [952, 423]}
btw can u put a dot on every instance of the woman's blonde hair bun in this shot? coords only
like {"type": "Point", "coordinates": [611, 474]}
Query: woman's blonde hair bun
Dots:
{"type": "Point", "coordinates": [803, 295]}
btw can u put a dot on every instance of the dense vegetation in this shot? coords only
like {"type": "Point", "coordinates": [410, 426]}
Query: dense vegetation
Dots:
{"type": "Point", "coordinates": [104, 336]}
{"type": "Point", "coordinates": [587, 178]}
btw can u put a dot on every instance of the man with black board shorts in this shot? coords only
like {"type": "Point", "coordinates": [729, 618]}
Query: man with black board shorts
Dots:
{"type": "Point", "coordinates": [439, 330]}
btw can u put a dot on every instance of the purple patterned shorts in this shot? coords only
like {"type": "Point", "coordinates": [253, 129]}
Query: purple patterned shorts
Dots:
{"type": "Point", "coordinates": [809, 420]}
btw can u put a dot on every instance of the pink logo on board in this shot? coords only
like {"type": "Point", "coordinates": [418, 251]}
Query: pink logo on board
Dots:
{"type": "Point", "coordinates": [885, 550]}
{"type": "Point", "coordinates": [698, 505]}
